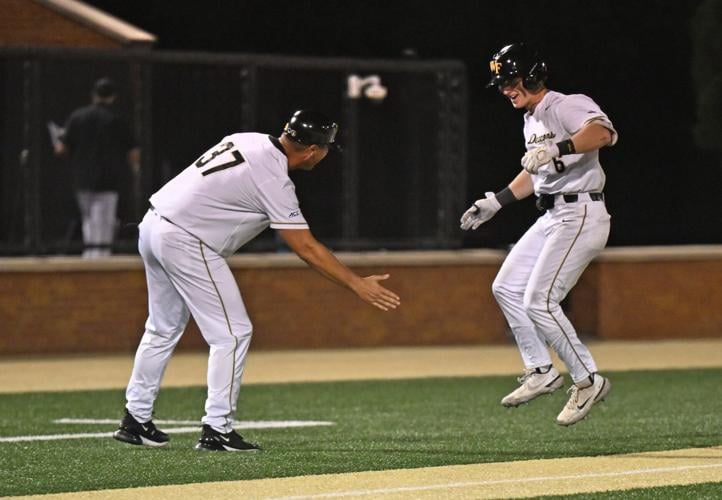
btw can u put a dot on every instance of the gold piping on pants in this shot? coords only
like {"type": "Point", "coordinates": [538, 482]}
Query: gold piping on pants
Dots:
{"type": "Point", "coordinates": [551, 287]}
{"type": "Point", "coordinates": [230, 330]}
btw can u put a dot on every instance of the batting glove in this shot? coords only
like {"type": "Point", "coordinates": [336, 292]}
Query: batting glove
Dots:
{"type": "Point", "coordinates": [535, 158]}
{"type": "Point", "coordinates": [481, 211]}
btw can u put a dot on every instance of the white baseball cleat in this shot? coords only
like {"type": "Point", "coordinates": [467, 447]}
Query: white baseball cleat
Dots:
{"type": "Point", "coordinates": [582, 399]}
{"type": "Point", "coordinates": [533, 384]}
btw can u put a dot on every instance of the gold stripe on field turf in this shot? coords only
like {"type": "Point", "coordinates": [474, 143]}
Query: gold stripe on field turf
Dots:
{"type": "Point", "coordinates": [518, 479]}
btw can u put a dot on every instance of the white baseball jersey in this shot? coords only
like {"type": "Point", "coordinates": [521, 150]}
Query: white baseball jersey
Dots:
{"type": "Point", "coordinates": [557, 117]}
{"type": "Point", "coordinates": [232, 192]}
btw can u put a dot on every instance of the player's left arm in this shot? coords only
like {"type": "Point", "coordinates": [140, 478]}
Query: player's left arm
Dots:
{"type": "Point", "coordinates": [589, 127]}
{"type": "Point", "coordinates": [592, 136]}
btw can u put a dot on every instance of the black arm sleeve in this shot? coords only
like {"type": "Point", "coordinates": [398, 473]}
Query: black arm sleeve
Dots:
{"type": "Point", "coordinates": [505, 196]}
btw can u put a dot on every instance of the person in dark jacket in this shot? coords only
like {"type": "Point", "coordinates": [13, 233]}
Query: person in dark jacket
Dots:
{"type": "Point", "coordinates": [101, 149]}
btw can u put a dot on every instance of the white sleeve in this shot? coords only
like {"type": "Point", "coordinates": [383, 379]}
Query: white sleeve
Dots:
{"type": "Point", "coordinates": [578, 110]}
{"type": "Point", "coordinates": [278, 198]}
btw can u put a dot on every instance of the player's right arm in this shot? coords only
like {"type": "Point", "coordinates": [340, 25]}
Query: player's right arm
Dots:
{"type": "Point", "coordinates": [522, 186]}
{"type": "Point", "coordinates": [320, 258]}
{"type": "Point", "coordinates": [485, 208]}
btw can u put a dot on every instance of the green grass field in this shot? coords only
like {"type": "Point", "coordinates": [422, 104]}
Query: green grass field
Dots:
{"type": "Point", "coordinates": [378, 425]}
{"type": "Point", "coordinates": [702, 491]}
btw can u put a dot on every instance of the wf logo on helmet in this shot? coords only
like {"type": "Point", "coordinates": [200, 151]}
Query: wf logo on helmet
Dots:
{"type": "Point", "coordinates": [495, 67]}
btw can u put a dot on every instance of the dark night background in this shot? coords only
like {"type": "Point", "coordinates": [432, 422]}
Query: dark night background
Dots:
{"type": "Point", "coordinates": [632, 58]}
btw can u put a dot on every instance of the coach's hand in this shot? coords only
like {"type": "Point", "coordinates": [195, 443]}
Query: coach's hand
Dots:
{"type": "Point", "coordinates": [370, 291]}
{"type": "Point", "coordinates": [535, 158]}
{"type": "Point", "coordinates": [481, 211]}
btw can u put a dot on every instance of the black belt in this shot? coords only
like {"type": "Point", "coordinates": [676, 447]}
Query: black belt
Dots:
{"type": "Point", "coordinates": [546, 201]}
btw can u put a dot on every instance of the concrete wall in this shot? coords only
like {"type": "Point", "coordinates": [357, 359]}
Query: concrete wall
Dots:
{"type": "Point", "coordinates": [68, 305]}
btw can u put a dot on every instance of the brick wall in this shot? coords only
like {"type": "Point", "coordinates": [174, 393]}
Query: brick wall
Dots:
{"type": "Point", "coordinates": [71, 305]}
{"type": "Point", "coordinates": [68, 305]}
{"type": "Point", "coordinates": [651, 293]}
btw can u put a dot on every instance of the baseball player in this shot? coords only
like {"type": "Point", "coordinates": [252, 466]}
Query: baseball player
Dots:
{"type": "Point", "coordinates": [563, 135]}
{"type": "Point", "coordinates": [230, 194]}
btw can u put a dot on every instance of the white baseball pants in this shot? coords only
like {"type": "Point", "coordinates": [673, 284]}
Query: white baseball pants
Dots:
{"type": "Point", "coordinates": [185, 276]}
{"type": "Point", "coordinates": [539, 272]}
{"type": "Point", "coordinates": [98, 213]}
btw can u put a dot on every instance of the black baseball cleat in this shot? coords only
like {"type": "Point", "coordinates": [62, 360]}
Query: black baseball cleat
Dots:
{"type": "Point", "coordinates": [212, 440]}
{"type": "Point", "coordinates": [133, 432]}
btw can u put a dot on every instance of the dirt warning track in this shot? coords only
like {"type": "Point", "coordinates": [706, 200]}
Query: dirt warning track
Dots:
{"type": "Point", "coordinates": [112, 372]}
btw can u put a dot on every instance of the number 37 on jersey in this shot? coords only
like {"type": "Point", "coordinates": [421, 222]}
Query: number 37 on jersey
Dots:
{"type": "Point", "coordinates": [219, 158]}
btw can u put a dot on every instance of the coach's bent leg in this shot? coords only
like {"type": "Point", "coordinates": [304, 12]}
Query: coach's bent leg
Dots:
{"type": "Point", "coordinates": [151, 359]}
{"type": "Point", "coordinates": [225, 371]}
{"type": "Point", "coordinates": [216, 304]}
{"type": "Point", "coordinates": [167, 319]}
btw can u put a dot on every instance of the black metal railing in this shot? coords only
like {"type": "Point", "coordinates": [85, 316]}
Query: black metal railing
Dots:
{"type": "Point", "coordinates": [401, 182]}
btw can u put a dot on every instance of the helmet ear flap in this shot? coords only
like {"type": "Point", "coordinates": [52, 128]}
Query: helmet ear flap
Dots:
{"type": "Point", "coordinates": [536, 75]}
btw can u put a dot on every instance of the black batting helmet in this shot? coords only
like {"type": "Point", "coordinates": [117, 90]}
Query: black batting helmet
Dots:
{"type": "Point", "coordinates": [517, 60]}
{"type": "Point", "coordinates": [311, 127]}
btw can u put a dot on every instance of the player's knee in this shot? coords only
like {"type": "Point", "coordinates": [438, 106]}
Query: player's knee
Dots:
{"type": "Point", "coordinates": [242, 330]}
{"type": "Point", "coordinates": [228, 343]}
{"type": "Point", "coordinates": [538, 304]}
{"type": "Point", "coordinates": [164, 337]}
{"type": "Point", "coordinates": [502, 292]}
{"type": "Point", "coordinates": [535, 303]}
{"type": "Point", "coordinates": [245, 333]}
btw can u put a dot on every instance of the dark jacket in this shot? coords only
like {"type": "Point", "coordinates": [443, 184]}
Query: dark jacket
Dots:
{"type": "Point", "coordinates": [98, 142]}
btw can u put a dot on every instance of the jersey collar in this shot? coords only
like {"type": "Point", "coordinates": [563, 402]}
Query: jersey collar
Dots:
{"type": "Point", "coordinates": [277, 143]}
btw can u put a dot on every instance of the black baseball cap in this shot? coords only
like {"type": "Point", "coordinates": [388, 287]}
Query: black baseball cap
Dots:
{"type": "Point", "coordinates": [105, 87]}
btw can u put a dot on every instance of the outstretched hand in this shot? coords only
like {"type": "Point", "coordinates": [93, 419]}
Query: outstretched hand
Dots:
{"type": "Point", "coordinates": [481, 211]}
{"type": "Point", "coordinates": [370, 290]}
